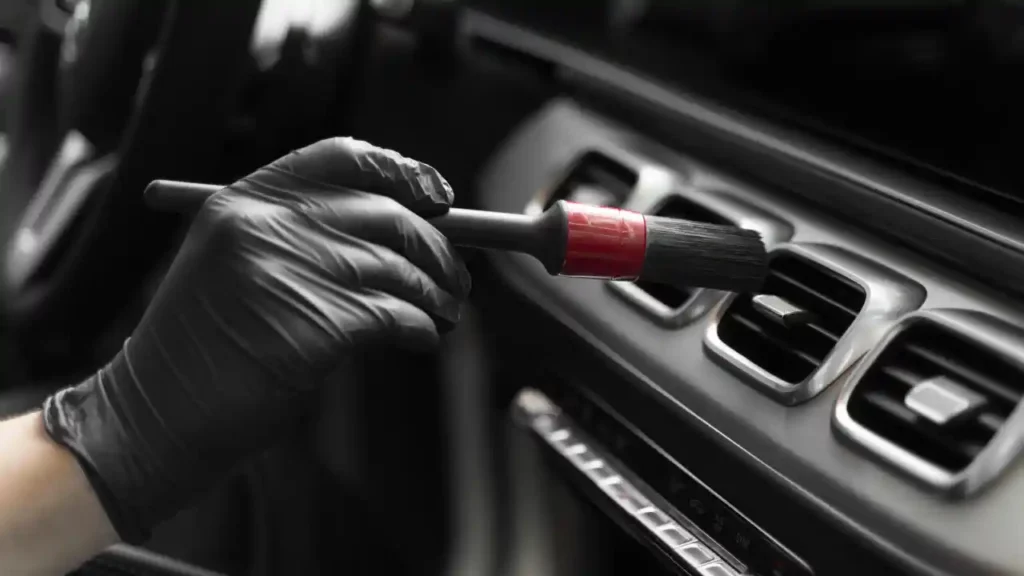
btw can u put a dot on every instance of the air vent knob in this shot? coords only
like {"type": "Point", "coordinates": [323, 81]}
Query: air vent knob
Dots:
{"type": "Point", "coordinates": [781, 311]}
{"type": "Point", "coordinates": [942, 401]}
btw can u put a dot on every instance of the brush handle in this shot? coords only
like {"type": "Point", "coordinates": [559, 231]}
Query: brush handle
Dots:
{"type": "Point", "coordinates": [178, 197]}
{"type": "Point", "coordinates": [572, 239]}
{"type": "Point", "coordinates": [490, 230]}
{"type": "Point", "coordinates": [542, 237]}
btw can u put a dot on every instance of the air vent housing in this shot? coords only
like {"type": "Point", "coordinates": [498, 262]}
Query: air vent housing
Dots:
{"type": "Point", "coordinates": [845, 303]}
{"type": "Point", "coordinates": [965, 353]}
{"type": "Point", "coordinates": [792, 354]}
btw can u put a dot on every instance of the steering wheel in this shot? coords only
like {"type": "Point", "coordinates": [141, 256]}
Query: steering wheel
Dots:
{"type": "Point", "coordinates": [109, 94]}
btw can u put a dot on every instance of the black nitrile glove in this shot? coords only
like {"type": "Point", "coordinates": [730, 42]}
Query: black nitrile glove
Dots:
{"type": "Point", "coordinates": [282, 276]}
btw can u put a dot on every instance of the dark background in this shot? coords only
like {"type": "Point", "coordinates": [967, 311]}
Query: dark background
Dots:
{"type": "Point", "coordinates": [929, 85]}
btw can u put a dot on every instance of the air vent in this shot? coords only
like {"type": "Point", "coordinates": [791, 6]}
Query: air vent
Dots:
{"type": "Point", "coordinates": [822, 308]}
{"type": "Point", "coordinates": [595, 179]}
{"type": "Point", "coordinates": [793, 351]}
{"type": "Point", "coordinates": [935, 394]}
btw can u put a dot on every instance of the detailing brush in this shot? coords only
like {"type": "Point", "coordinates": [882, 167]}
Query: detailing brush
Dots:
{"type": "Point", "coordinates": [580, 240]}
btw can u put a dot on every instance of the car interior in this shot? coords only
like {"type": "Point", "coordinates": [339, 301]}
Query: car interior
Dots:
{"type": "Point", "coordinates": [571, 426]}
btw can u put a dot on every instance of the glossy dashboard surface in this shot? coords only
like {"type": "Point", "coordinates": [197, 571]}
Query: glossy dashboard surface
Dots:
{"type": "Point", "coordinates": [793, 445]}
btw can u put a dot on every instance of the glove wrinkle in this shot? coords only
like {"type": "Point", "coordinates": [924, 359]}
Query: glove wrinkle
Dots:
{"type": "Point", "coordinates": [150, 409]}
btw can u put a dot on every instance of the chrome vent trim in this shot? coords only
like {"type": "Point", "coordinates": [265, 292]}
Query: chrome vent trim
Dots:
{"type": "Point", "coordinates": [1003, 340]}
{"type": "Point", "coordinates": [888, 296]}
{"type": "Point", "coordinates": [655, 187]}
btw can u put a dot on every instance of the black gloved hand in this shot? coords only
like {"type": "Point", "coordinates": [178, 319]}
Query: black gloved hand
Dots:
{"type": "Point", "coordinates": [282, 275]}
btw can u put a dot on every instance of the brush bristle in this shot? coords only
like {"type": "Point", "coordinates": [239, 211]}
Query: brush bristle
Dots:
{"type": "Point", "coordinates": [697, 255]}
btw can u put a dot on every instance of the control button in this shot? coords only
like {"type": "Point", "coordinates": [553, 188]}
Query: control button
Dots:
{"type": "Point", "coordinates": [559, 437]}
{"type": "Point", "coordinates": [599, 474]}
{"type": "Point", "coordinates": [545, 424]}
{"type": "Point", "coordinates": [576, 450]}
{"type": "Point", "coordinates": [633, 502]}
{"type": "Point", "coordinates": [717, 569]}
{"type": "Point", "coordinates": [580, 455]}
{"type": "Point", "coordinates": [695, 554]}
{"type": "Point", "coordinates": [613, 479]}
{"type": "Point", "coordinates": [673, 534]}
{"type": "Point", "coordinates": [627, 497]}
{"type": "Point", "coordinates": [652, 517]}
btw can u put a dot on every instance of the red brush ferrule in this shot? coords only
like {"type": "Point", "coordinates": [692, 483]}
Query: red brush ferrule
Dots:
{"type": "Point", "coordinates": [604, 242]}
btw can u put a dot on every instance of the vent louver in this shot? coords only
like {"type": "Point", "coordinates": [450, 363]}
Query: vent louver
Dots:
{"type": "Point", "coordinates": [793, 353]}
{"type": "Point", "coordinates": [979, 388]}
{"type": "Point", "coordinates": [595, 179]}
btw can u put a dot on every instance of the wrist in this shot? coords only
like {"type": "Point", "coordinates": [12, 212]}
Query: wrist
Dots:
{"type": "Point", "coordinates": [86, 422]}
{"type": "Point", "coordinates": [41, 488]}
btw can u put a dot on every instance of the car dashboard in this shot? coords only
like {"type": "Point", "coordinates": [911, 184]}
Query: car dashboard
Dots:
{"type": "Point", "coordinates": [860, 415]}
{"type": "Point", "coordinates": [865, 420]}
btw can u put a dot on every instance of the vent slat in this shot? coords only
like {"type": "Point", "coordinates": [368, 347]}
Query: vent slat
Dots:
{"type": "Point", "coordinates": [821, 297]}
{"type": "Point", "coordinates": [824, 333]}
{"type": "Point", "coordinates": [616, 182]}
{"type": "Point", "coordinates": [760, 331]}
{"type": "Point", "coordinates": [965, 373]}
{"type": "Point", "coordinates": [914, 425]}
{"type": "Point", "coordinates": [793, 353]}
{"type": "Point", "coordinates": [991, 421]}
{"type": "Point", "coordinates": [905, 377]}
{"type": "Point", "coordinates": [805, 340]}
{"type": "Point", "coordinates": [595, 179]}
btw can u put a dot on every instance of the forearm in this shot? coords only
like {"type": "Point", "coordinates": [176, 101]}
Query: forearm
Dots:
{"type": "Point", "coordinates": [50, 519]}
